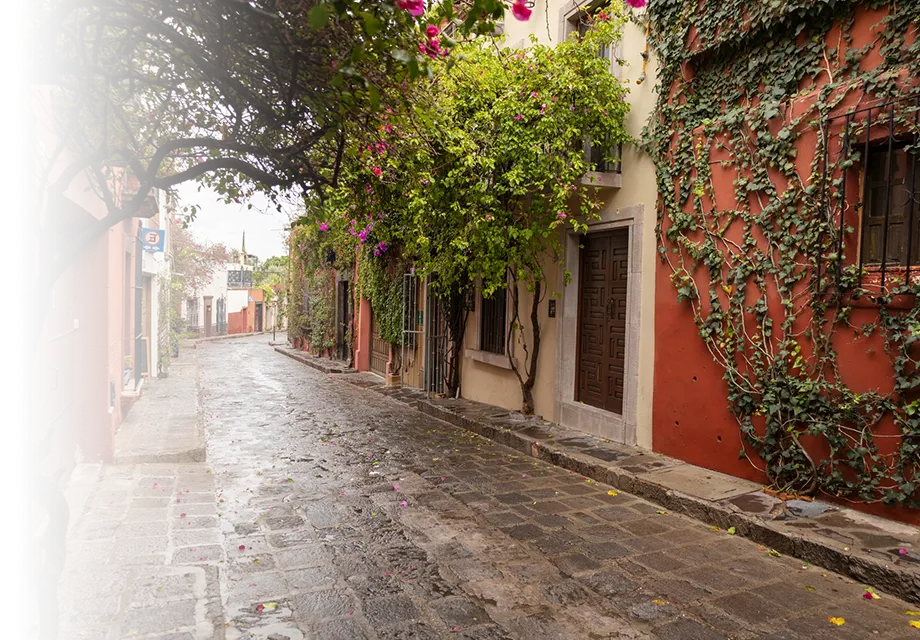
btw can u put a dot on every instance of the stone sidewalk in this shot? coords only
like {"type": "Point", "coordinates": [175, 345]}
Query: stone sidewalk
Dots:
{"type": "Point", "coordinates": [874, 551]}
{"type": "Point", "coordinates": [164, 425]}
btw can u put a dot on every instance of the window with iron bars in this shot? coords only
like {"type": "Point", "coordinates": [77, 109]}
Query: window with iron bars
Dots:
{"type": "Point", "coordinates": [492, 322]}
{"type": "Point", "coordinates": [192, 314]}
{"type": "Point", "coordinates": [603, 156]}
{"type": "Point", "coordinates": [875, 199]}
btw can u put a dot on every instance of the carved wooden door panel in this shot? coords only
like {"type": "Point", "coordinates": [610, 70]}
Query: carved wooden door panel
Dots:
{"type": "Point", "coordinates": [602, 320]}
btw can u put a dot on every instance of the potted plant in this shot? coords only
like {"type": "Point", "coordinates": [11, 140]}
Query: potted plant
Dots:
{"type": "Point", "coordinates": [129, 361]}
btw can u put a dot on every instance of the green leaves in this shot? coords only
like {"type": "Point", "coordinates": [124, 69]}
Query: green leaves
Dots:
{"type": "Point", "coordinates": [319, 16]}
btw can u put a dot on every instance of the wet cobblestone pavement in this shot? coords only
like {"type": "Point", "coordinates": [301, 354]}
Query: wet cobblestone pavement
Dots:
{"type": "Point", "coordinates": [327, 511]}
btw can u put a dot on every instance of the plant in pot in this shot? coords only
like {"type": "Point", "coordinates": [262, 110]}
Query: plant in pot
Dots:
{"type": "Point", "coordinates": [129, 361]}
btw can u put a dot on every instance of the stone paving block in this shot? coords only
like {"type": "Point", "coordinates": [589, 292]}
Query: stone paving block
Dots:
{"type": "Point", "coordinates": [575, 563]}
{"type": "Point", "coordinates": [663, 561]}
{"type": "Point", "coordinates": [92, 612]}
{"type": "Point", "coordinates": [349, 629]}
{"type": "Point", "coordinates": [139, 546]}
{"type": "Point", "coordinates": [147, 590]}
{"type": "Point", "coordinates": [101, 581]}
{"type": "Point", "coordinates": [748, 606]}
{"type": "Point", "coordinates": [167, 617]}
{"type": "Point", "coordinates": [391, 610]}
{"type": "Point", "coordinates": [310, 578]}
{"type": "Point", "coordinates": [677, 590]}
{"type": "Point", "coordinates": [318, 605]}
{"type": "Point", "coordinates": [460, 612]}
{"type": "Point", "coordinates": [258, 587]}
{"type": "Point", "coordinates": [201, 553]}
{"type": "Point", "coordinates": [686, 630]}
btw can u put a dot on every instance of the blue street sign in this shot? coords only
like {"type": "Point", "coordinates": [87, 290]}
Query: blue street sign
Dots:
{"type": "Point", "coordinates": [153, 239]}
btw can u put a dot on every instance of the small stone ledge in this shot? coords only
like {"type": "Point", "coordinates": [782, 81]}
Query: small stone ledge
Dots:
{"type": "Point", "coordinates": [326, 365]}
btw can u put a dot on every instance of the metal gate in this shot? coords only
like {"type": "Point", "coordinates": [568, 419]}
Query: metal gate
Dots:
{"type": "Point", "coordinates": [343, 313]}
{"type": "Point", "coordinates": [221, 316]}
{"type": "Point", "coordinates": [413, 333]}
{"type": "Point", "coordinates": [437, 343]}
{"type": "Point", "coordinates": [380, 350]}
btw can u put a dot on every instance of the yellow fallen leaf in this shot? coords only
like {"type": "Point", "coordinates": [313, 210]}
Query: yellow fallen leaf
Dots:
{"type": "Point", "coordinates": [837, 621]}
{"type": "Point", "coordinates": [913, 613]}
{"type": "Point", "coordinates": [730, 531]}
{"type": "Point", "coordinates": [915, 624]}
{"type": "Point", "coordinates": [659, 602]}
{"type": "Point", "coordinates": [774, 553]}
{"type": "Point", "coordinates": [662, 513]}
{"type": "Point", "coordinates": [270, 606]}
{"type": "Point", "coordinates": [612, 493]}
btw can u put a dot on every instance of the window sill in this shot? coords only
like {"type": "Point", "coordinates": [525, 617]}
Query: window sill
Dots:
{"type": "Point", "coordinates": [872, 287]}
{"type": "Point", "coordinates": [487, 357]}
{"type": "Point", "coordinates": [603, 179]}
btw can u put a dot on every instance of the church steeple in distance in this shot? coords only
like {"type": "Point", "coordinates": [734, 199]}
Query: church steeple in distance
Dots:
{"type": "Point", "coordinates": [243, 255]}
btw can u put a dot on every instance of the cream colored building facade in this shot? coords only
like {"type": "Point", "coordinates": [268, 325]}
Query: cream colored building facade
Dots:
{"type": "Point", "coordinates": [628, 214]}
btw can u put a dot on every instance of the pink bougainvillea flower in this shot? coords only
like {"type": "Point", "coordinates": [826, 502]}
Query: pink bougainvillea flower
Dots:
{"type": "Point", "coordinates": [414, 7]}
{"type": "Point", "coordinates": [518, 117]}
{"type": "Point", "coordinates": [636, 4]}
{"type": "Point", "coordinates": [404, 503]}
{"type": "Point", "coordinates": [323, 226]}
{"type": "Point", "coordinates": [362, 236]}
{"type": "Point", "coordinates": [377, 171]}
{"type": "Point", "coordinates": [562, 215]}
{"type": "Point", "coordinates": [377, 253]}
{"type": "Point", "coordinates": [242, 547]}
{"type": "Point", "coordinates": [395, 487]}
{"type": "Point", "coordinates": [522, 12]}
{"type": "Point", "coordinates": [382, 246]}
{"type": "Point", "coordinates": [431, 31]}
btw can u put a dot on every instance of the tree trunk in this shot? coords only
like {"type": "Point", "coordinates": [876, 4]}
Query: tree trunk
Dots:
{"type": "Point", "coordinates": [527, 407]}
{"type": "Point", "coordinates": [456, 323]}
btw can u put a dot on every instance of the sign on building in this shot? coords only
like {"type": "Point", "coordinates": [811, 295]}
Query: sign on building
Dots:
{"type": "Point", "coordinates": [152, 240]}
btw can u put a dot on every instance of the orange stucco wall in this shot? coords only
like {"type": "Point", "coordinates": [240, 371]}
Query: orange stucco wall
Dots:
{"type": "Point", "coordinates": [102, 305]}
{"type": "Point", "coordinates": [691, 420]}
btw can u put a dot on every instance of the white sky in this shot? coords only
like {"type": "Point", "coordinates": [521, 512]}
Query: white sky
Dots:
{"type": "Point", "coordinates": [219, 222]}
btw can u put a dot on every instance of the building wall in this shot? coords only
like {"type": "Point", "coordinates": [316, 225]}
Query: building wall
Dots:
{"type": "Point", "coordinates": [630, 202]}
{"type": "Point", "coordinates": [691, 418]}
{"type": "Point", "coordinates": [101, 305]}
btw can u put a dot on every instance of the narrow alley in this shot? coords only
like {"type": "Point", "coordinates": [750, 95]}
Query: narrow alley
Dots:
{"type": "Point", "coordinates": [330, 512]}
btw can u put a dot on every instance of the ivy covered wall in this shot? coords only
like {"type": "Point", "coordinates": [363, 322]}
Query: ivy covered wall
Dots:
{"type": "Point", "coordinates": [764, 369]}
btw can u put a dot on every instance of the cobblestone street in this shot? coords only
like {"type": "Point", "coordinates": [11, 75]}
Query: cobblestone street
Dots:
{"type": "Point", "coordinates": [327, 511]}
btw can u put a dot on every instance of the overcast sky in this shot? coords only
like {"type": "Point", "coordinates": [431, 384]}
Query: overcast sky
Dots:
{"type": "Point", "coordinates": [219, 222]}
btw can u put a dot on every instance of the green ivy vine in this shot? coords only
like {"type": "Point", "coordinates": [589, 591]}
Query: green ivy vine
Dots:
{"type": "Point", "coordinates": [380, 278]}
{"type": "Point", "coordinates": [745, 87]}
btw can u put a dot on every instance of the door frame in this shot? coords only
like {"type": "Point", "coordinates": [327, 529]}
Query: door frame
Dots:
{"type": "Point", "coordinates": [567, 411]}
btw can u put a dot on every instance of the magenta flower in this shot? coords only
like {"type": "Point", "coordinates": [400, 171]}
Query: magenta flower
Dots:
{"type": "Point", "coordinates": [362, 236]}
{"type": "Point", "coordinates": [522, 12]}
{"type": "Point", "coordinates": [431, 31]}
{"type": "Point", "coordinates": [377, 171]}
{"type": "Point", "coordinates": [377, 252]}
{"type": "Point", "coordinates": [562, 215]}
{"type": "Point", "coordinates": [636, 4]}
{"type": "Point", "coordinates": [518, 117]}
{"type": "Point", "coordinates": [382, 246]}
{"type": "Point", "coordinates": [414, 7]}
{"type": "Point", "coordinates": [323, 226]}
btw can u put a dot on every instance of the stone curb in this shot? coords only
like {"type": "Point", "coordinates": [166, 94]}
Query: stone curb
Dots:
{"type": "Point", "coordinates": [229, 336]}
{"type": "Point", "coordinates": [862, 567]}
{"type": "Point", "coordinates": [320, 364]}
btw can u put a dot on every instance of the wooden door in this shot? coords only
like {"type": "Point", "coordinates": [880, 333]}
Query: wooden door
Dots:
{"type": "Point", "coordinates": [60, 343]}
{"type": "Point", "coordinates": [602, 320]}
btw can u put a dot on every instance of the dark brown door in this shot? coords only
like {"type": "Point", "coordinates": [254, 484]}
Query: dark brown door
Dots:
{"type": "Point", "coordinates": [59, 384]}
{"type": "Point", "coordinates": [602, 320]}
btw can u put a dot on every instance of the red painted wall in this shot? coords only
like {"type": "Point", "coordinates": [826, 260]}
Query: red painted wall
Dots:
{"type": "Point", "coordinates": [691, 420]}
{"type": "Point", "coordinates": [238, 322]}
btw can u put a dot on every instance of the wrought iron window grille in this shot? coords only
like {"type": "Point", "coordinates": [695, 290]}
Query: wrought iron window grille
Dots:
{"type": "Point", "coordinates": [492, 322]}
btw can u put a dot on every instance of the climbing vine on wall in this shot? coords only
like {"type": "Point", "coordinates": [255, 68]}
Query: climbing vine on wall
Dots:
{"type": "Point", "coordinates": [312, 286]}
{"type": "Point", "coordinates": [380, 278]}
{"type": "Point", "coordinates": [749, 91]}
